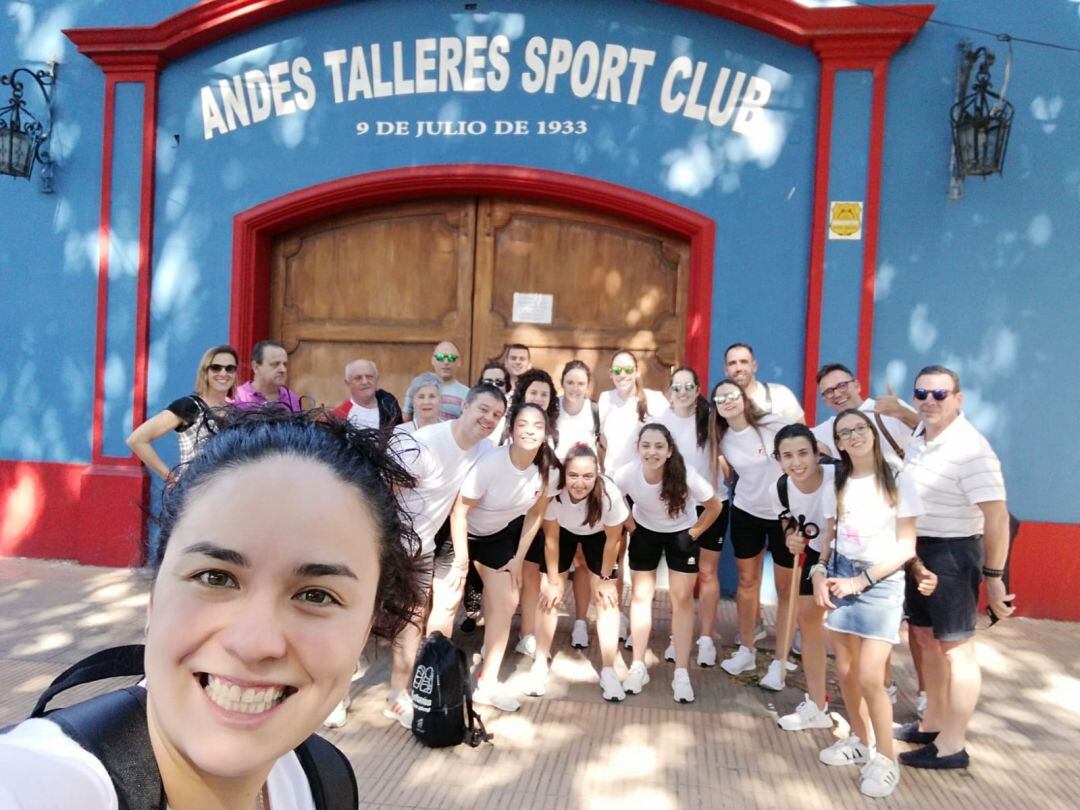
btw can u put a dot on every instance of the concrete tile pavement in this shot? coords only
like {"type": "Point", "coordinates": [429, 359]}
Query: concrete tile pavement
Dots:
{"type": "Point", "coordinates": [570, 749]}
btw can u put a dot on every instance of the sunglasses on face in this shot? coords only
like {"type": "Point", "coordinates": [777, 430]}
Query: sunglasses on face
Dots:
{"type": "Point", "coordinates": [678, 388]}
{"type": "Point", "coordinates": [498, 382]}
{"type": "Point", "coordinates": [734, 396]}
{"type": "Point", "coordinates": [217, 368]}
{"type": "Point", "coordinates": [836, 389]}
{"type": "Point", "coordinates": [446, 358]}
{"type": "Point", "coordinates": [858, 430]}
{"type": "Point", "coordinates": [617, 370]}
{"type": "Point", "coordinates": [938, 393]}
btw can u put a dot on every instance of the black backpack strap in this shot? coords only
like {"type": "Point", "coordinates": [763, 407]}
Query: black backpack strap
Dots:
{"type": "Point", "coordinates": [329, 773]}
{"type": "Point", "coordinates": [595, 407]}
{"type": "Point", "coordinates": [116, 662]}
{"type": "Point", "coordinates": [476, 733]}
{"type": "Point", "coordinates": [782, 493]}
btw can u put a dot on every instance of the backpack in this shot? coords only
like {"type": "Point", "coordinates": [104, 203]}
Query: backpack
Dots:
{"type": "Point", "coordinates": [113, 728]}
{"type": "Point", "coordinates": [443, 713]}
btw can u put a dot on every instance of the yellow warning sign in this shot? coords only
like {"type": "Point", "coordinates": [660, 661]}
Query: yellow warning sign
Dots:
{"type": "Point", "coordinates": [845, 220]}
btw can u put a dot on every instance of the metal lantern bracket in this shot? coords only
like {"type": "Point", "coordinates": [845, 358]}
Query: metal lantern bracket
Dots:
{"type": "Point", "coordinates": [981, 120]}
{"type": "Point", "coordinates": [23, 135]}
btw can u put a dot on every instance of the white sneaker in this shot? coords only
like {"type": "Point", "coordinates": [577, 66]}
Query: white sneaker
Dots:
{"type": "Point", "coordinates": [706, 652]}
{"type": "Point", "coordinates": [848, 751]}
{"type": "Point", "coordinates": [891, 690]}
{"type": "Point", "coordinates": [624, 629]}
{"type": "Point", "coordinates": [495, 696]}
{"type": "Point", "coordinates": [681, 688]}
{"type": "Point", "coordinates": [796, 643]}
{"type": "Point", "coordinates": [742, 660]}
{"type": "Point", "coordinates": [772, 678]}
{"type": "Point", "coordinates": [879, 777]}
{"type": "Point", "coordinates": [339, 716]}
{"type": "Point", "coordinates": [806, 715]}
{"type": "Point", "coordinates": [579, 636]}
{"type": "Point", "coordinates": [527, 646]}
{"type": "Point", "coordinates": [920, 705]}
{"type": "Point", "coordinates": [636, 678]}
{"type": "Point", "coordinates": [538, 680]}
{"type": "Point", "coordinates": [759, 634]}
{"type": "Point", "coordinates": [669, 653]}
{"type": "Point", "coordinates": [399, 708]}
{"type": "Point", "coordinates": [610, 687]}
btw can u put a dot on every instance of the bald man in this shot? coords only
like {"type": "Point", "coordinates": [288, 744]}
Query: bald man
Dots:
{"type": "Point", "coordinates": [368, 406]}
{"type": "Point", "coordinates": [446, 360]}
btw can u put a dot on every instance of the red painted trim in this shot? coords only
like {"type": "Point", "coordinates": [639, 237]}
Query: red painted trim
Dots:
{"type": "Point", "coordinates": [816, 274]}
{"type": "Point", "coordinates": [253, 229]}
{"type": "Point", "coordinates": [855, 30]}
{"type": "Point", "coordinates": [146, 236]}
{"type": "Point", "coordinates": [1044, 571]}
{"type": "Point", "coordinates": [98, 429]}
{"type": "Point", "coordinates": [870, 223]}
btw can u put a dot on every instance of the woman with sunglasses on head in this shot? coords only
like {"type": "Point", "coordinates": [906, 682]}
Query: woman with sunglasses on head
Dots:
{"type": "Point", "coordinates": [689, 422]}
{"type": "Point", "coordinates": [745, 437]}
{"type": "Point", "coordinates": [191, 417]}
{"type": "Point", "coordinates": [424, 397]}
{"type": "Point", "coordinates": [585, 517]}
{"type": "Point", "coordinates": [664, 524]}
{"type": "Point", "coordinates": [499, 510]}
{"type": "Point", "coordinates": [875, 536]}
{"type": "Point", "coordinates": [280, 547]}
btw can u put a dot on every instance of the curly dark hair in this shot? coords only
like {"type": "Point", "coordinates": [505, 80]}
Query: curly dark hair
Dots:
{"type": "Point", "coordinates": [545, 457]}
{"type": "Point", "coordinates": [361, 458]}
{"type": "Point", "coordinates": [523, 383]}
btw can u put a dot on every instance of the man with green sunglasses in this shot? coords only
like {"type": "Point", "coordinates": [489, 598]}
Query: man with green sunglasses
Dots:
{"type": "Point", "coordinates": [446, 360]}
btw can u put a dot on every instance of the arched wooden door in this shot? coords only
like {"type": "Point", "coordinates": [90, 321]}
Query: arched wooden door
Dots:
{"type": "Point", "coordinates": [388, 283]}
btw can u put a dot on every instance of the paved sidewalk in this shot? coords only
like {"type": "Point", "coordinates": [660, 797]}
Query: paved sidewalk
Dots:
{"type": "Point", "coordinates": [573, 750]}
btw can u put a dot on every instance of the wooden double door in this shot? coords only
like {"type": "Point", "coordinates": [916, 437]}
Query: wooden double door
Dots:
{"type": "Point", "coordinates": [389, 283]}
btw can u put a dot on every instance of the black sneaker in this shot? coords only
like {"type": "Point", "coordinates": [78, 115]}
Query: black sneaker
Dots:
{"type": "Point", "coordinates": [469, 625]}
{"type": "Point", "coordinates": [909, 733]}
{"type": "Point", "coordinates": [927, 757]}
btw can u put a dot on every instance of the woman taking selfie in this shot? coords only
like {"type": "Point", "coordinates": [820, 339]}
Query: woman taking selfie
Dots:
{"type": "Point", "coordinates": [280, 546]}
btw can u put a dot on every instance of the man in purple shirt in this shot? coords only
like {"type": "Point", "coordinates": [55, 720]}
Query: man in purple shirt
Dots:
{"type": "Point", "coordinates": [270, 372]}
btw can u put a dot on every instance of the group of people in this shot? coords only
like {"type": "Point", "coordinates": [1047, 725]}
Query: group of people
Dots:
{"type": "Point", "coordinates": [881, 513]}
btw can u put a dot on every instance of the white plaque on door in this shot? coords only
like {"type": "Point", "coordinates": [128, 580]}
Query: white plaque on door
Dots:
{"type": "Point", "coordinates": [532, 307]}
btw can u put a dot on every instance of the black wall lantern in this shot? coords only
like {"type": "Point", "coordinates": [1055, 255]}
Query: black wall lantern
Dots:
{"type": "Point", "coordinates": [981, 120]}
{"type": "Point", "coordinates": [23, 134]}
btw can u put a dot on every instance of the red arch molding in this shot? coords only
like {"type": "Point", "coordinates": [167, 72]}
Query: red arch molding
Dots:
{"type": "Point", "coordinates": [254, 229]}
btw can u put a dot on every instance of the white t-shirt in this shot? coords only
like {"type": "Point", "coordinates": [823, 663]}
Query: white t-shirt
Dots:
{"type": "Point", "coordinates": [571, 516]}
{"type": "Point", "coordinates": [750, 453]}
{"type": "Point", "coordinates": [818, 506]}
{"type": "Point", "coordinates": [684, 432]}
{"type": "Point", "coordinates": [619, 424]}
{"type": "Point", "coordinates": [900, 432]}
{"type": "Point", "coordinates": [649, 510]}
{"type": "Point", "coordinates": [777, 399]}
{"type": "Point", "coordinates": [362, 417]}
{"type": "Point", "coordinates": [866, 529]}
{"type": "Point", "coordinates": [574, 429]}
{"type": "Point", "coordinates": [953, 474]}
{"type": "Point", "coordinates": [453, 400]}
{"type": "Point", "coordinates": [41, 768]}
{"type": "Point", "coordinates": [502, 492]}
{"type": "Point", "coordinates": [440, 465]}
{"type": "Point", "coordinates": [407, 428]}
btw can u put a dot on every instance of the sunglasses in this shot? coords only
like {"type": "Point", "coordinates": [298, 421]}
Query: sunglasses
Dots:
{"type": "Point", "coordinates": [678, 388]}
{"type": "Point", "coordinates": [734, 396]}
{"type": "Point", "coordinates": [617, 370]}
{"type": "Point", "coordinates": [446, 358]}
{"type": "Point", "coordinates": [498, 382]}
{"type": "Point", "coordinates": [858, 430]}
{"type": "Point", "coordinates": [938, 393]}
{"type": "Point", "coordinates": [217, 368]}
{"type": "Point", "coordinates": [839, 387]}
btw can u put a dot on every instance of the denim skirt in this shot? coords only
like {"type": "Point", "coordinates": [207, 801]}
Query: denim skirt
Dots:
{"type": "Point", "coordinates": [876, 612]}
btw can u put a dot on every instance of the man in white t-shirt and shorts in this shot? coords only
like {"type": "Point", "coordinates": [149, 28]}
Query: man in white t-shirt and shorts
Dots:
{"type": "Point", "coordinates": [894, 419]}
{"type": "Point", "coordinates": [741, 365]}
{"type": "Point", "coordinates": [962, 538]}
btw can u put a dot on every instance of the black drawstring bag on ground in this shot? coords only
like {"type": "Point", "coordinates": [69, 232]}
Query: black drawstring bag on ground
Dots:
{"type": "Point", "coordinates": [443, 713]}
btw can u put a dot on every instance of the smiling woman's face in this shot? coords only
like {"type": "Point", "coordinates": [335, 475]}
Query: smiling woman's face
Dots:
{"type": "Point", "coordinates": [260, 609]}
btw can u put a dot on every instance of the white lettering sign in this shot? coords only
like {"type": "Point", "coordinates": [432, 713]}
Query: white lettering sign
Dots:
{"type": "Point", "coordinates": [532, 307]}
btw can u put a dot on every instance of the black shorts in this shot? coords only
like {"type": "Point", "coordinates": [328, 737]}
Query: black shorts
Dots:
{"type": "Point", "coordinates": [806, 585]}
{"type": "Point", "coordinates": [751, 534]}
{"type": "Point", "coordinates": [496, 550]}
{"type": "Point", "coordinates": [678, 548]}
{"type": "Point", "coordinates": [712, 539]}
{"type": "Point", "coordinates": [535, 554]}
{"type": "Point", "coordinates": [592, 548]}
{"type": "Point", "coordinates": [951, 609]}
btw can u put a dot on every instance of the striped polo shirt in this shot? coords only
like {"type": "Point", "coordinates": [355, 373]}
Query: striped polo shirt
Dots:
{"type": "Point", "coordinates": [954, 473]}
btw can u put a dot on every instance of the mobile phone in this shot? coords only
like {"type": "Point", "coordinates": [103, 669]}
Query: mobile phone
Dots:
{"type": "Point", "coordinates": [993, 616]}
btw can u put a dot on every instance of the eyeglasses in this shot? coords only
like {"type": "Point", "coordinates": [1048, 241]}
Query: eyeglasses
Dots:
{"type": "Point", "coordinates": [498, 382]}
{"type": "Point", "coordinates": [678, 388]}
{"type": "Point", "coordinates": [836, 389]}
{"type": "Point", "coordinates": [446, 358]}
{"type": "Point", "coordinates": [734, 396]}
{"type": "Point", "coordinates": [847, 433]}
{"type": "Point", "coordinates": [217, 368]}
{"type": "Point", "coordinates": [617, 370]}
{"type": "Point", "coordinates": [938, 393]}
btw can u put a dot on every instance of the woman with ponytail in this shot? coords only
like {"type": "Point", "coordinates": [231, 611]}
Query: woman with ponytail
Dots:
{"type": "Point", "coordinates": [665, 495]}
